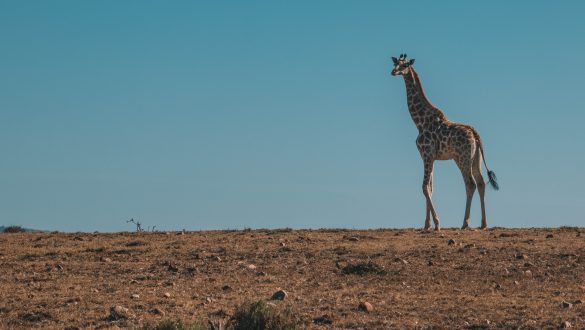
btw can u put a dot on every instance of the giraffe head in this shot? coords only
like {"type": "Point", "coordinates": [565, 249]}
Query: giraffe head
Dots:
{"type": "Point", "coordinates": [401, 65]}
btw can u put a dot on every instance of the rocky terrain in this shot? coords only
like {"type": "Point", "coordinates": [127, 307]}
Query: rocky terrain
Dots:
{"type": "Point", "coordinates": [354, 279]}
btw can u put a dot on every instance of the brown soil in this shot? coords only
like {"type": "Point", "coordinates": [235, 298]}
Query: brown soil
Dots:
{"type": "Point", "coordinates": [499, 278]}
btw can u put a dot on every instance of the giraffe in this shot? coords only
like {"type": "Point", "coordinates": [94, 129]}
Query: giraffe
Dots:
{"type": "Point", "coordinates": [441, 139]}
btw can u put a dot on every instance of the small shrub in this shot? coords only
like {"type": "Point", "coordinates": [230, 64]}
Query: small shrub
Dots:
{"type": "Point", "coordinates": [363, 268]}
{"type": "Point", "coordinates": [14, 229]}
{"type": "Point", "coordinates": [176, 325]}
{"type": "Point", "coordinates": [36, 316]}
{"type": "Point", "coordinates": [263, 316]}
{"type": "Point", "coordinates": [135, 243]}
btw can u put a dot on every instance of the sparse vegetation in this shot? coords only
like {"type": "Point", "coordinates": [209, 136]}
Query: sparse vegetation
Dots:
{"type": "Point", "coordinates": [137, 223]}
{"type": "Point", "coordinates": [14, 229]}
{"type": "Point", "coordinates": [36, 316]}
{"type": "Point", "coordinates": [363, 268]}
{"type": "Point", "coordinates": [261, 315]}
{"type": "Point", "coordinates": [176, 325]}
{"type": "Point", "coordinates": [139, 228]}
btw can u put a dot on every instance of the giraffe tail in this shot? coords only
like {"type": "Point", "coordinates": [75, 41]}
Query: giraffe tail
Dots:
{"type": "Point", "coordinates": [493, 180]}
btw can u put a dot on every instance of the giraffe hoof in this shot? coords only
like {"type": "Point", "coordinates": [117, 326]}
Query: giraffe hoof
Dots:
{"type": "Point", "coordinates": [483, 227]}
{"type": "Point", "coordinates": [437, 228]}
{"type": "Point", "coordinates": [465, 226]}
{"type": "Point", "coordinates": [427, 228]}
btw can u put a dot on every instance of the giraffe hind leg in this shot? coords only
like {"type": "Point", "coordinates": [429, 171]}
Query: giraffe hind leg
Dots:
{"type": "Point", "coordinates": [480, 182]}
{"type": "Point", "coordinates": [465, 165]}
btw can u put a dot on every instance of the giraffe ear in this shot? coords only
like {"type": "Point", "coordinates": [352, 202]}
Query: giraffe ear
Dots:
{"type": "Point", "coordinates": [411, 61]}
{"type": "Point", "coordinates": [395, 60]}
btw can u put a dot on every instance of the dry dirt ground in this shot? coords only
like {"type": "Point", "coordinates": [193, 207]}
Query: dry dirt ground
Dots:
{"type": "Point", "coordinates": [498, 278]}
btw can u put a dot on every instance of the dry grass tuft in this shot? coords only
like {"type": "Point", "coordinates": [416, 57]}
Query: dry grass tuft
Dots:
{"type": "Point", "coordinates": [176, 325]}
{"type": "Point", "coordinates": [363, 268]}
{"type": "Point", "coordinates": [260, 315]}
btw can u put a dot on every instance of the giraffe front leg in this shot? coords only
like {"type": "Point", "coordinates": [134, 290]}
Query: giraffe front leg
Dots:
{"type": "Point", "coordinates": [428, 217]}
{"type": "Point", "coordinates": [428, 214]}
{"type": "Point", "coordinates": [427, 188]}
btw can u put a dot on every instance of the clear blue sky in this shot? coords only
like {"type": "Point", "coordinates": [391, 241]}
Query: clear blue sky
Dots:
{"type": "Point", "coordinates": [234, 114]}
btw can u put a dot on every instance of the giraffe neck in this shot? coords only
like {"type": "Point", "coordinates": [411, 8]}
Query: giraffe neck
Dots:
{"type": "Point", "coordinates": [423, 113]}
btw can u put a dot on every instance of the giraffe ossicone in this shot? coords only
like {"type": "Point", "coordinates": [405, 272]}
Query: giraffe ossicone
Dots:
{"type": "Point", "coordinates": [441, 139]}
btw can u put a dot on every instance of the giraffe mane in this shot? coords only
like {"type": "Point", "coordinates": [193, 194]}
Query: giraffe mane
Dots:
{"type": "Point", "coordinates": [422, 91]}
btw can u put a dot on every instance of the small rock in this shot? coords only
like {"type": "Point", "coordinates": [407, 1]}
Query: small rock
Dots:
{"type": "Point", "coordinates": [577, 302]}
{"type": "Point", "coordinates": [208, 300]}
{"type": "Point", "coordinates": [251, 267]}
{"type": "Point", "coordinates": [157, 311]}
{"type": "Point", "coordinates": [279, 295]}
{"type": "Point", "coordinates": [499, 287]}
{"type": "Point", "coordinates": [73, 301]}
{"type": "Point", "coordinates": [528, 273]}
{"type": "Point", "coordinates": [217, 258]}
{"type": "Point", "coordinates": [566, 304]}
{"type": "Point", "coordinates": [119, 312]}
{"type": "Point", "coordinates": [226, 288]}
{"type": "Point", "coordinates": [566, 324]}
{"type": "Point", "coordinates": [549, 236]}
{"type": "Point", "coordinates": [353, 238]}
{"type": "Point", "coordinates": [283, 244]}
{"type": "Point", "coordinates": [135, 296]}
{"type": "Point", "coordinates": [400, 260]}
{"type": "Point", "coordinates": [430, 263]}
{"type": "Point", "coordinates": [528, 264]}
{"type": "Point", "coordinates": [365, 306]}
{"type": "Point", "coordinates": [103, 259]}
{"type": "Point", "coordinates": [520, 256]}
{"type": "Point", "coordinates": [451, 242]}
{"type": "Point", "coordinates": [516, 282]}
{"type": "Point", "coordinates": [167, 295]}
